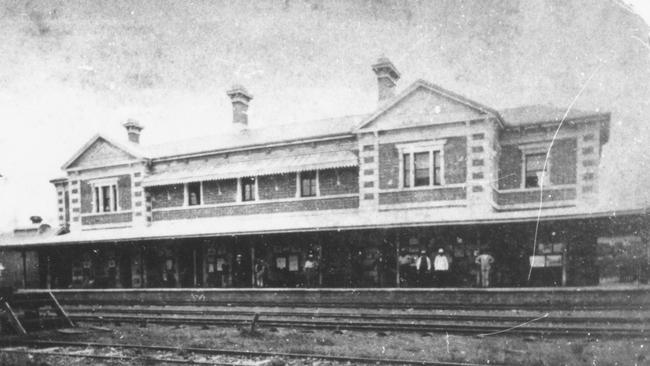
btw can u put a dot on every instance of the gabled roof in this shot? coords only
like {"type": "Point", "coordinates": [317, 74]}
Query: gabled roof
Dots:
{"type": "Point", "coordinates": [256, 137]}
{"type": "Point", "coordinates": [128, 148]}
{"type": "Point", "coordinates": [436, 89]}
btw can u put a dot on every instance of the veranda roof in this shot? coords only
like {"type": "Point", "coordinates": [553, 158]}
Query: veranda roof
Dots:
{"type": "Point", "coordinates": [257, 167]}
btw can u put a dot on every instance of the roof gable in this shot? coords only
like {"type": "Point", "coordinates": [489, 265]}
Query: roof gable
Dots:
{"type": "Point", "coordinates": [424, 103]}
{"type": "Point", "coordinates": [101, 151]}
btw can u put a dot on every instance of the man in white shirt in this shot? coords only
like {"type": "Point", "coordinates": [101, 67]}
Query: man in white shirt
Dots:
{"type": "Point", "coordinates": [441, 267]}
{"type": "Point", "coordinates": [485, 263]}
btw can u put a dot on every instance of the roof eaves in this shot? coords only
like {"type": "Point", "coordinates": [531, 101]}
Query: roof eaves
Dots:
{"type": "Point", "coordinates": [314, 138]}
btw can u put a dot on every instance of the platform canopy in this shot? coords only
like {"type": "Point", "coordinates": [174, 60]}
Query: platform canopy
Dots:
{"type": "Point", "coordinates": [273, 164]}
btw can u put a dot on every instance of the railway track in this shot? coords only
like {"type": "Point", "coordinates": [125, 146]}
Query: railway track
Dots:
{"type": "Point", "coordinates": [422, 323]}
{"type": "Point", "coordinates": [184, 355]}
{"type": "Point", "coordinates": [366, 316]}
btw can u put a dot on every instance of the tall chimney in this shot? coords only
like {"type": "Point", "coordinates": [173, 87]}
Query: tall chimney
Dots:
{"type": "Point", "coordinates": [240, 98]}
{"type": "Point", "coordinates": [387, 76]}
{"type": "Point", "coordinates": [133, 128]}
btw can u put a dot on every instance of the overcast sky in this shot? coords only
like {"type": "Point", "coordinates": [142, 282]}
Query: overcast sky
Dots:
{"type": "Point", "coordinates": [70, 69]}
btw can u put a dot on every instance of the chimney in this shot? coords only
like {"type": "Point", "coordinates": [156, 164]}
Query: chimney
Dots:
{"type": "Point", "coordinates": [240, 98]}
{"type": "Point", "coordinates": [387, 76]}
{"type": "Point", "coordinates": [133, 128]}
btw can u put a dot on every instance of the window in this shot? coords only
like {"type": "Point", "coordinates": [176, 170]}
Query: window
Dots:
{"type": "Point", "coordinates": [535, 172]}
{"type": "Point", "coordinates": [421, 164]}
{"type": "Point", "coordinates": [308, 184]}
{"type": "Point", "coordinates": [407, 170]}
{"type": "Point", "coordinates": [421, 168]}
{"type": "Point", "coordinates": [194, 194]}
{"type": "Point", "coordinates": [105, 197]}
{"type": "Point", "coordinates": [248, 189]}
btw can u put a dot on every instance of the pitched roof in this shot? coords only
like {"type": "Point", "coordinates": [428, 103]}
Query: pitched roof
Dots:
{"type": "Point", "coordinates": [128, 147]}
{"type": "Point", "coordinates": [539, 114]}
{"type": "Point", "coordinates": [273, 134]}
{"type": "Point", "coordinates": [436, 89]}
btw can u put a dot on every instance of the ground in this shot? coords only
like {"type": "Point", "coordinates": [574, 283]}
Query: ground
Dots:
{"type": "Point", "coordinates": [511, 350]}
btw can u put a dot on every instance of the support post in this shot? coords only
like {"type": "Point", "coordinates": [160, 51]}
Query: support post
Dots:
{"type": "Point", "coordinates": [252, 265]}
{"type": "Point", "coordinates": [194, 266]}
{"type": "Point", "coordinates": [397, 269]}
{"type": "Point", "coordinates": [24, 255]}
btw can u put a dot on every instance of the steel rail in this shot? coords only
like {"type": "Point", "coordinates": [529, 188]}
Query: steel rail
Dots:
{"type": "Point", "coordinates": [231, 352]}
{"type": "Point", "coordinates": [437, 317]}
{"type": "Point", "coordinates": [471, 329]}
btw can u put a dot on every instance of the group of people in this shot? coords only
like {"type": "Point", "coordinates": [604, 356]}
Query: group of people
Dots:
{"type": "Point", "coordinates": [424, 272]}
{"type": "Point", "coordinates": [241, 277]}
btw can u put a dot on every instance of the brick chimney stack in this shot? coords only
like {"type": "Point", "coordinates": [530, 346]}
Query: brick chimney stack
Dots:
{"type": "Point", "coordinates": [240, 98]}
{"type": "Point", "coordinates": [387, 76]}
{"type": "Point", "coordinates": [133, 128]}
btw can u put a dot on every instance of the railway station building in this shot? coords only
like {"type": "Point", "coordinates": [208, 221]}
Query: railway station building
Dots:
{"type": "Point", "coordinates": [341, 202]}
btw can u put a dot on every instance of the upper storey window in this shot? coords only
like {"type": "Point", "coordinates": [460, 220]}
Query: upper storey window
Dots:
{"type": "Point", "coordinates": [536, 170]}
{"type": "Point", "coordinates": [105, 196]}
{"type": "Point", "coordinates": [308, 184]}
{"type": "Point", "coordinates": [248, 189]}
{"type": "Point", "coordinates": [194, 194]}
{"type": "Point", "coordinates": [421, 164]}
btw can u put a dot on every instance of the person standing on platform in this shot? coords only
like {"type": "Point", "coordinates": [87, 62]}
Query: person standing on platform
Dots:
{"type": "Point", "coordinates": [260, 272]}
{"type": "Point", "coordinates": [311, 270]}
{"type": "Point", "coordinates": [441, 267]}
{"type": "Point", "coordinates": [239, 272]}
{"type": "Point", "coordinates": [423, 269]}
{"type": "Point", "coordinates": [485, 263]}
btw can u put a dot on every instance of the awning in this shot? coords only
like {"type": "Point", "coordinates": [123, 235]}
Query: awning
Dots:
{"type": "Point", "coordinates": [257, 167]}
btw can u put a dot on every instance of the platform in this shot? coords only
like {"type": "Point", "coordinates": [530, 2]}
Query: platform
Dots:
{"type": "Point", "coordinates": [569, 298]}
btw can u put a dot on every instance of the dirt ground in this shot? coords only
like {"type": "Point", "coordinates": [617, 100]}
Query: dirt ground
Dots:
{"type": "Point", "coordinates": [510, 350]}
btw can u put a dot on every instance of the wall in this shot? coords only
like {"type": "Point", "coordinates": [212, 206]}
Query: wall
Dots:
{"type": "Point", "coordinates": [219, 191]}
{"type": "Point", "coordinates": [563, 164]}
{"type": "Point", "coordinates": [124, 193]}
{"type": "Point", "coordinates": [166, 196]}
{"type": "Point", "coordinates": [338, 181]}
{"type": "Point", "coordinates": [324, 203]}
{"type": "Point", "coordinates": [277, 186]}
{"type": "Point", "coordinates": [455, 160]}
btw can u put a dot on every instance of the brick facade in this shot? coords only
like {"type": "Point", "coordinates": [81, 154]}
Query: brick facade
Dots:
{"type": "Point", "coordinates": [166, 196]}
{"type": "Point", "coordinates": [333, 203]}
{"type": "Point", "coordinates": [533, 196]}
{"type": "Point", "coordinates": [219, 191]}
{"type": "Point", "coordinates": [338, 181]}
{"type": "Point", "coordinates": [422, 195]}
{"type": "Point", "coordinates": [455, 160]}
{"type": "Point", "coordinates": [277, 186]}
{"type": "Point", "coordinates": [109, 218]}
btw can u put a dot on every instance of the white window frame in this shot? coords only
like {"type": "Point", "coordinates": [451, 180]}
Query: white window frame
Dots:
{"type": "Point", "coordinates": [421, 147]}
{"type": "Point", "coordinates": [96, 188]}
{"type": "Point", "coordinates": [240, 189]}
{"type": "Point", "coordinates": [299, 184]}
{"type": "Point", "coordinates": [535, 149]}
